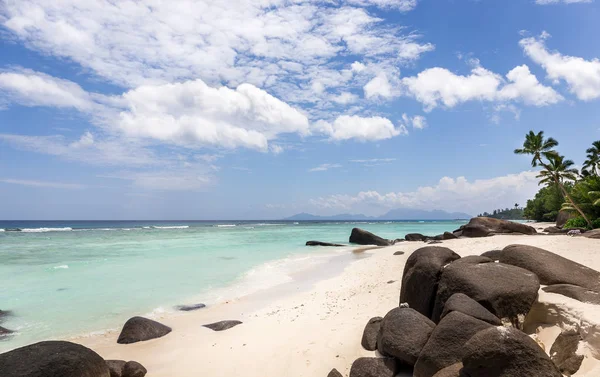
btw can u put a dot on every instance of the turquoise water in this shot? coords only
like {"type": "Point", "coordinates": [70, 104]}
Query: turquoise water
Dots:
{"type": "Point", "coordinates": [63, 279]}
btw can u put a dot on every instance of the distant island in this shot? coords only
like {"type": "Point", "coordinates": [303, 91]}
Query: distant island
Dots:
{"type": "Point", "coordinates": [395, 214]}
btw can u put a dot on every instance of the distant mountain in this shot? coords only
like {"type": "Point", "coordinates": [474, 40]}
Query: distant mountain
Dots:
{"type": "Point", "coordinates": [395, 214]}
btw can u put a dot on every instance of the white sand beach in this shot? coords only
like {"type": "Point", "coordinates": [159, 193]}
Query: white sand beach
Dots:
{"type": "Point", "coordinates": [298, 330]}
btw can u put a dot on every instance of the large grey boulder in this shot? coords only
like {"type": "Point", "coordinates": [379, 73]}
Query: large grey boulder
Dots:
{"type": "Point", "coordinates": [451, 371]}
{"type": "Point", "coordinates": [487, 226]}
{"type": "Point", "coordinates": [459, 302]}
{"type": "Point", "coordinates": [363, 237]}
{"type": "Point", "coordinates": [550, 268]}
{"type": "Point", "coordinates": [421, 275]}
{"type": "Point", "coordinates": [506, 352]}
{"type": "Point", "coordinates": [53, 359]}
{"type": "Point", "coordinates": [403, 334]}
{"type": "Point", "coordinates": [445, 346]}
{"type": "Point", "coordinates": [139, 329]}
{"type": "Point", "coordinates": [575, 292]}
{"type": "Point", "coordinates": [506, 291]}
{"type": "Point", "coordinates": [370, 334]}
{"type": "Point", "coordinates": [594, 234]}
{"type": "Point", "coordinates": [373, 367]}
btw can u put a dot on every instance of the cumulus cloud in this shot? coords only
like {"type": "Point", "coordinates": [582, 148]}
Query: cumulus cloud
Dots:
{"type": "Point", "coordinates": [582, 76]}
{"type": "Point", "coordinates": [435, 87]}
{"type": "Point", "coordinates": [379, 86]}
{"type": "Point", "coordinates": [348, 127]}
{"type": "Point", "coordinates": [418, 122]}
{"type": "Point", "coordinates": [345, 98]}
{"type": "Point", "coordinates": [451, 194]}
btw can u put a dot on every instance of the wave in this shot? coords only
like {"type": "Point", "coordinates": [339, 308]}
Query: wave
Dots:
{"type": "Point", "coordinates": [267, 224]}
{"type": "Point", "coordinates": [44, 230]}
{"type": "Point", "coordinates": [61, 267]}
{"type": "Point", "coordinates": [171, 227]}
{"type": "Point", "coordinates": [1, 230]}
{"type": "Point", "coordinates": [226, 225]}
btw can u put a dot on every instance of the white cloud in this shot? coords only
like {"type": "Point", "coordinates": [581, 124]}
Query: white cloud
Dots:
{"type": "Point", "coordinates": [546, 2]}
{"type": "Point", "coordinates": [345, 98]}
{"type": "Point", "coordinates": [437, 86]}
{"type": "Point", "coordinates": [418, 122]}
{"type": "Point", "coordinates": [451, 194]}
{"type": "Point", "coordinates": [324, 167]}
{"type": "Point", "coordinates": [379, 86]}
{"type": "Point", "coordinates": [582, 76]}
{"type": "Point", "coordinates": [31, 183]}
{"type": "Point", "coordinates": [401, 5]}
{"type": "Point", "coordinates": [347, 127]}
{"type": "Point", "coordinates": [374, 160]}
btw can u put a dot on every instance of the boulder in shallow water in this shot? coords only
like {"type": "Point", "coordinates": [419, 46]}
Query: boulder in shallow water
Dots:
{"type": "Point", "coordinates": [373, 367]}
{"type": "Point", "coordinates": [575, 292]}
{"type": "Point", "coordinates": [222, 325]}
{"type": "Point", "coordinates": [53, 359]}
{"type": "Point", "coordinates": [416, 237]}
{"type": "Point", "coordinates": [139, 329]}
{"type": "Point", "coordinates": [487, 226]}
{"type": "Point", "coordinates": [319, 243]}
{"type": "Point", "coordinates": [189, 308]}
{"type": "Point", "coordinates": [370, 333]}
{"type": "Point", "coordinates": [460, 302]}
{"type": "Point", "coordinates": [506, 291]}
{"type": "Point", "coordinates": [421, 274]}
{"type": "Point", "coordinates": [506, 352]}
{"type": "Point", "coordinates": [363, 237]}
{"type": "Point", "coordinates": [403, 334]}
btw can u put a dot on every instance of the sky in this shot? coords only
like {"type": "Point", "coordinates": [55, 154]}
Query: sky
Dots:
{"type": "Point", "coordinates": [260, 109]}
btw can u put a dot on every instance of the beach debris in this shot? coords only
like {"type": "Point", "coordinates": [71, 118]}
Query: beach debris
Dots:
{"type": "Point", "coordinates": [451, 371]}
{"type": "Point", "coordinates": [416, 237]}
{"type": "Point", "coordinates": [513, 354]}
{"type": "Point", "coordinates": [445, 345]}
{"type": "Point", "coordinates": [507, 291]}
{"type": "Point", "coordinates": [334, 373]}
{"type": "Point", "coordinates": [222, 325]}
{"type": "Point", "coordinates": [403, 334]}
{"type": "Point", "coordinates": [575, 292]}
{"type": "Point", "coordinates": [550, 268]}
{"type": "Point", "coordinates": [399, 253]}
{"type": "Point", "coordinates": [574, 232]}
{"type": "Point", "coordinates": [564, 352]}
{"type": "Point", "coordinates": [373, 367]}
{"type": "Point", "coordinates": [363, 237]}
{"type": "Point", "coordinates": [139, 329]}
{"type": "Point", "coordinates": [421, 274]}
{"type": "Point", "coordinates": [189, 308]}
{"type": "Point", "coordinates": [53, 359]}
{"type": "Point", "coordinates": [486, 226]}
{"type": "Point", "coordinates": [319, 243]}
{"type": "Point", "coordinates": [459, 302]}
{"type": "Point", "coordinates": [370, 333]}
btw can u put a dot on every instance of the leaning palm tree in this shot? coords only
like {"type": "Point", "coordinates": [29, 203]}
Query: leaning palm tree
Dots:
{"type": "Point", "coordinates": [592, 162]}
{"type": "Point", "coordinates": [556, 170]}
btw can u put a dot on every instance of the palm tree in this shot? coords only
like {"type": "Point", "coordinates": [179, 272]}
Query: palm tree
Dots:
{"type": "Point", "coordinates": [556, 170]}
{"type": "Point", "coordinates": [516, 205]}
{"type": "Point", "coordinates": [592, 162]}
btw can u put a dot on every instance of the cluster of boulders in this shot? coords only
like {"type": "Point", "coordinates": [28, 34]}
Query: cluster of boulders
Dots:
{"type": "Point", "coordinates": [464, 317]}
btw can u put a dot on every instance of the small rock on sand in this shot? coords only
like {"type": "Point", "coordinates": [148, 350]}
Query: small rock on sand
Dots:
{"type": "Point", "coordinates": [222, 325]}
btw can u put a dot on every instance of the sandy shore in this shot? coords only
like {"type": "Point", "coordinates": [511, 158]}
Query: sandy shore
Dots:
{"type": "Point", "coordinates": [302, 329]}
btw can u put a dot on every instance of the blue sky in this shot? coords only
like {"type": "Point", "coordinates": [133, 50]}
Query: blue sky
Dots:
{"type": "Point", "coordinates": [263, 109]}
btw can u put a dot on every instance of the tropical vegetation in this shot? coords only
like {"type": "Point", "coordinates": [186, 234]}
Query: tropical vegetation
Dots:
{"type": "Point", "coordinates": [565, 188]}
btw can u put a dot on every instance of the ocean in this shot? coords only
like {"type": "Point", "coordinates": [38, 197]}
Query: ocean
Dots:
{"type": "Point", "coordinates": [67, 278]}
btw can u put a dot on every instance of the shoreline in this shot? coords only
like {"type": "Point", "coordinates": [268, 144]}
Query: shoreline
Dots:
{"type": "Point", "coordinates": [307, 331]}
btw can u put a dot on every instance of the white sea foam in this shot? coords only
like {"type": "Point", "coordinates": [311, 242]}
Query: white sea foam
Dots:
{"type": "Point", "coordinates": [266, 224]}
{"type": "Point", "coordinates": [1, 230]}
{"type": "Point", "coordinates": [296, 223]}
{"type": "Point", "coordinates": [61, 267]}
{"type": "Point", "coordinates": [226, 225]}
{"type": "Point", "coordinates": [172, 227]}
{"type": "Point", "coordinates": [44, 230]}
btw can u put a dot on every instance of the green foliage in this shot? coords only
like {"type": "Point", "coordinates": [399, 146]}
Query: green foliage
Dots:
{"type": "Point", "coordinates": [545, 205]}
{"type": "Point", "coordinates": [506, 214]}
{"type": "Point", "coordinates": [596, 223]}
{"type": "Point", "coordinates": [577, 222]}
{"type": "Point", "coordinates": [586, 194]}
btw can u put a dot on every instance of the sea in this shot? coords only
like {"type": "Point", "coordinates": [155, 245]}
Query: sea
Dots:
{"type": "Point", "coordinates": [61, 279]}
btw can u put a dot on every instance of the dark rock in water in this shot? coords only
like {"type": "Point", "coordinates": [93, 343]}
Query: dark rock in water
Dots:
{"type": "Point", "coordinates": [492, 254]}
{"type": "Point", "coordinates": [506, 352]}
{"type": "Point", "coordinates": [434, 242]}
{"type": "Point", "coordinates": [416, 237]}
{"type": "Point", "coordinates": [564, 352]}
{"type": "Point", "coordinates": [222, 325]}
{"type": "Point", "coordinates": [116, 367]}
{"type": "Point", "coordinates": [189, 308]}
{"type": "Point", "coordinates": [12, 230]}
{"type": "Point", "coordinates": [399, 253]}
{"type": "Point", "coordinates": [575, 292]}
{"type": "Point", "coordinates": [403, 334]}
{"type": "Point", "coordinates": [460, 302]}
{"type": "Point", "coordinates": [563, 217]}
{"type": "Point", "coordinates": [486, 226]}
{"type": "Point", "coordinates": [134, 369]}
{"type": "Point", "coordinates": [451, 371]}
{"type": "Point", "coordinates": [5, 332]}
{"type": "Point", "coordinates": [373, 367]}
{"type": "Point", "coordinates": [334, 373]}
{"type": "Point", "coordinates": [369, 338]}
{"type": "Point", "coordinates": [549, 267]}
{"type": "Point", "coordinates": [53, 359]}
{"type": "Point", "coordinates": [319, 243]}
{"type": "Point", "coordinates": [420, 278]}
{"type": "Point", "coordinates": [446, 344]}
{"type": "Point", "coordinates": [506, 291]}
{"type": "Point", "coordinates": [595, 234]}
{"type": "Point", "coordinates": [139, 329]}
{"type": "Point", "coordinates": [362, 237]}
{"type": "Point", "coordinates": [449, 236]}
